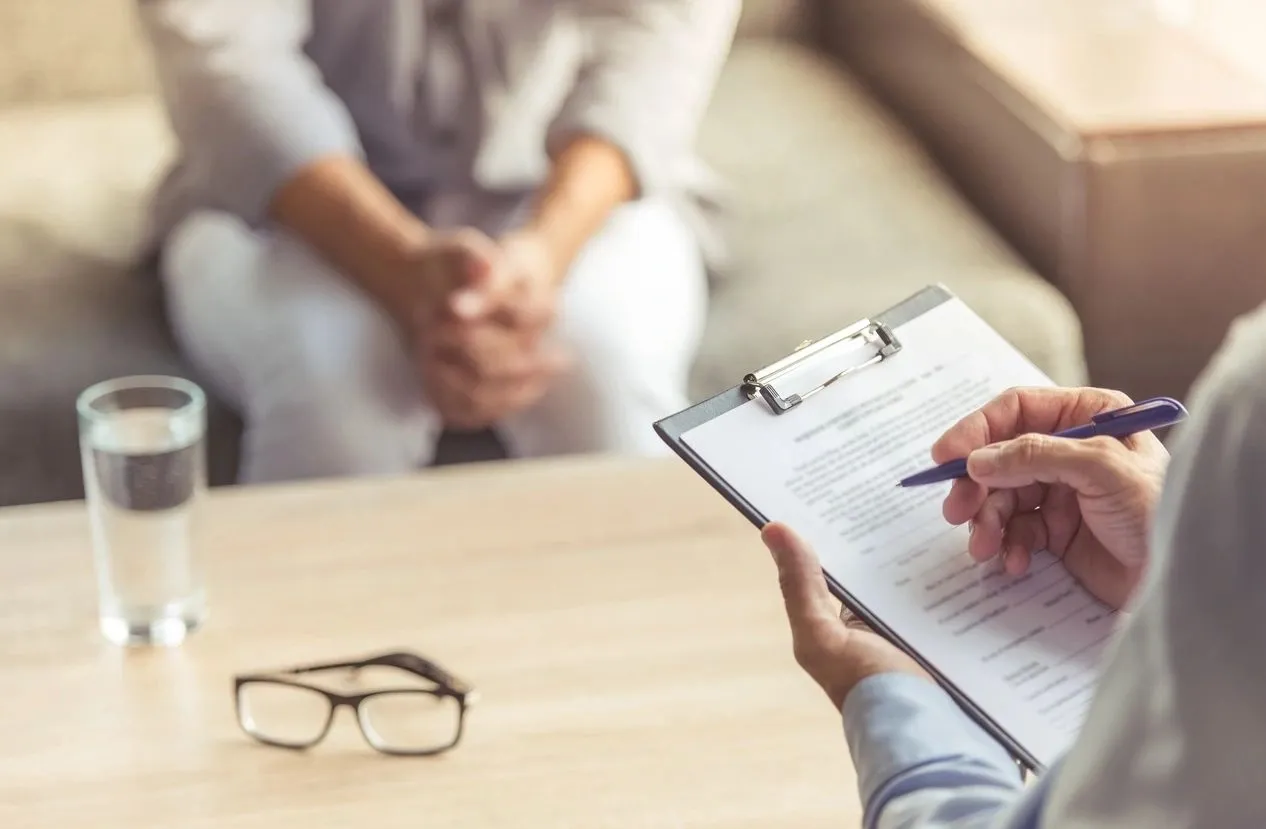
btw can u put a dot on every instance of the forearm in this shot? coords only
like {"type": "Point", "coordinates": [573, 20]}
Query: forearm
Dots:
{"type": "Point", "coordinates": [339, 208]}
{"type": "Point", "coordinates": [589, 179]}
{"type": "Point", "coordinates": [921, 762]}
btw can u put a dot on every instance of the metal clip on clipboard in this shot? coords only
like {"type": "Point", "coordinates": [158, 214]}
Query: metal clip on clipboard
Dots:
{"type": "Point", "coordinates": [866, 332]}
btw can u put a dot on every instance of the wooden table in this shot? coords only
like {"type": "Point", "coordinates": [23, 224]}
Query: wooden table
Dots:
{"type": "Point", "coordinates": [622, 624]}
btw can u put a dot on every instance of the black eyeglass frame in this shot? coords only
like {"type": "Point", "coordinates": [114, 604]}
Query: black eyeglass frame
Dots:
{"type": "Point", "coordinates": [446, 686]}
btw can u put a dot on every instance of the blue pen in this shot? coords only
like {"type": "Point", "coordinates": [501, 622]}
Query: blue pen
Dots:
{"type": "Point", "coordinates": [1155, 413]}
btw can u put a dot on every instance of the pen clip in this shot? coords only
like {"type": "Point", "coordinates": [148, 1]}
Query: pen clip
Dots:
{"type": "Point", "coordinates": [1161, 408]}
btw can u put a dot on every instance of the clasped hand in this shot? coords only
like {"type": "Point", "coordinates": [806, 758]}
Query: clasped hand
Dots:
{"type": "Point", "coordinates": [1089, 502]}
{"type": "Point", "coordinates": [478, 320]}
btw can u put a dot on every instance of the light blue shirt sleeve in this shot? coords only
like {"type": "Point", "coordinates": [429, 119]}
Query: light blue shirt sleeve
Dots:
{"type": "Point", "coordinates": [923, 764]}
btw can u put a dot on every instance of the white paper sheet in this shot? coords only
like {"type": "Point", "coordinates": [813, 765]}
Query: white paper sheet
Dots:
{"type": "Point", "coordinates": [1024, 649]}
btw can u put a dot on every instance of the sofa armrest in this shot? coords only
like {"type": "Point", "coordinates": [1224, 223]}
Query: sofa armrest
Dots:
{"type": "Point", "coordinates": [60, 50]}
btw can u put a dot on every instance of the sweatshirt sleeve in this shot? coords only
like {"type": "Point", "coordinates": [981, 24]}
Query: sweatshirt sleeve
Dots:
{"type": "Point", "coordinates": [922, 764]}
{"type": "Point", "coordinates": [647, 80]}
{"type": "Point", "coordinates": [247, 105]}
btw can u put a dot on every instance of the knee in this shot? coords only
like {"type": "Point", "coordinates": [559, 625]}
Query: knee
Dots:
{"type": "Point", "coordinates": [610, 398]}
{"type": "Point", "coordinates": [330, 390]}
{"type": "Point", "coordinates": [207, 246]}
{"type": "Point", "coordinates": [335, 399]}
{"type": "Point", "coordinates": [607, 401]}
{"type": "Point", "coordinates": [613, 362]}
{"type": "Point", "coordinates": [322, 380]}
{"type": "Point", "coordinates": [610, 366]}
{"type": "Point", "coordinates": [634, 306]}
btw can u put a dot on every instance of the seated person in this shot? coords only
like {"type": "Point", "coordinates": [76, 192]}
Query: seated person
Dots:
{"type": "Point", "coordinates": [1176, 735]}
{"type": "Point", "coordinates": [391, 218]}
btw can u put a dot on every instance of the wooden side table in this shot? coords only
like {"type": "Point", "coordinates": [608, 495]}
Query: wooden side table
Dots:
{"type": "Point", "coordinates": [1122, 153]}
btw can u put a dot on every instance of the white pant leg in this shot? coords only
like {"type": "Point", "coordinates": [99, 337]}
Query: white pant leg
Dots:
{"type": "Point", "coordinates": [321, 378]}
{"type": "Point", "coordinates": [632, 313]}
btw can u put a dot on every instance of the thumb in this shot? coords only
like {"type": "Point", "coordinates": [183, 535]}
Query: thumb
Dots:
{"type": "Point", "coordinates": [1088, 466]}
{"type": "Point", "coordinates": [804, 590]}
{"type": "Point", "coordinates": [480, 280]}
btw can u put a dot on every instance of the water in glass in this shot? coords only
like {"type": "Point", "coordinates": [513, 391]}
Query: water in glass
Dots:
{"type": "Point", "coordinates": [144, 478]}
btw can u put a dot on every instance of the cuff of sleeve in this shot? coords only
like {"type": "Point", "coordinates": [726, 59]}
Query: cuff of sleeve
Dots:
{"type": "Point", "coordinates": [604, 122]}
{"type": "Point", "coordinates": [897, 723]}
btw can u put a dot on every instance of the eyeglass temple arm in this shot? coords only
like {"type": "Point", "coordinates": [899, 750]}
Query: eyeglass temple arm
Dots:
{"type": "Point", "coordinates": [403, 660]}
{"type": "Point", "coordinates": [425, 668]}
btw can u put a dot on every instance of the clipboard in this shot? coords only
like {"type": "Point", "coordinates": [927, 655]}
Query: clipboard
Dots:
{"type": "Point", "coordinates": [774, 385]}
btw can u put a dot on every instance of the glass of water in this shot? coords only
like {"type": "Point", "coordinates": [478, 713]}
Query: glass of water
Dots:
{"type": "Point", "coordinates": [143, 445]}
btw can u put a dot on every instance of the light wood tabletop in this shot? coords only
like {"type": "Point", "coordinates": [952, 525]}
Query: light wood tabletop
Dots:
{"type": "Point", "coordinates": [620, 621]}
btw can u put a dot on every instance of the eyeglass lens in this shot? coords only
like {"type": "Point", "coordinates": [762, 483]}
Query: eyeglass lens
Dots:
{"type": "Point", "coordinates": [283, 714]}
{"type": "Point", "coordinates": [404, 721]}
{"type": "Point", "coordinates": [410, 721]}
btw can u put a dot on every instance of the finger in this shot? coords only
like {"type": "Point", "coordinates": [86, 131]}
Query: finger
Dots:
{"type": "Point", "coordinates": [466, 402]}
{"type": "Point", "coordinates": [544, 366]}
{"type": "Point", "coordinates": [491, 352]}
{"type": "Point", "coordinates": [472, 302]}
{"type": "Point", "coordinates": [1092, 467]}
{"type": "Point", "coordinates": [462, 257]}
{"type": "Point", "coordinates": [532, 308]}
{"type": "Point", "coordinates": [1061, 517]}
{"type": "Point", "coordinates": [804, 590]}
{"type": "Point", "coordinates": [1016, 560]}
{"type": "Point", "coordinates": [1022, 410]}
{"type": "Point", "coordinates": [988, 525]}
{"type": "Point", "coordinates": [965, 499]}
{"type": "Point", "coordinates": [1025, 535]}
{"type": "Point", "coordinates": [495, 398]}
{"type": "Point", "coordinates": [477, 372]}
{"type": "Point", "coordinates": [485, 362]}
{"type": "Point", "coordinates": [480, 280]}
{"type": "Point", "coordinates": [990, 522]}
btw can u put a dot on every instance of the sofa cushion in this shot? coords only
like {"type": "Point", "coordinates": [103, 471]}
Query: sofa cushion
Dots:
{"type": "Point", "coordinates": [69, 49]}
{"type": "Point", "coordinates": [75, 305]}
{"type": "Point", "coordinates": [837, 214]}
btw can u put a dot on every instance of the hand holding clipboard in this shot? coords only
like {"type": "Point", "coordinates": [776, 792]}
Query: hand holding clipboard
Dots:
{"type": "Point", "coordinates": [816, 440]}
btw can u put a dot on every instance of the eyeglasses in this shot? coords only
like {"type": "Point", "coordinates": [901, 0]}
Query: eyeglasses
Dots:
{"type": "Point", "coordinates": [278, 709]}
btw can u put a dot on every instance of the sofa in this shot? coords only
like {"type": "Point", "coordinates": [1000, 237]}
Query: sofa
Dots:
{"type": "Point", "coordinates": [835, 213]}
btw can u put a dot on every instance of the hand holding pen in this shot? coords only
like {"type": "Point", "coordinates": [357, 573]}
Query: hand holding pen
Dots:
{"type": "Point", "coordinates": [1148, 415]}
{"type": "Point", "coordinates": [1069, 471]}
